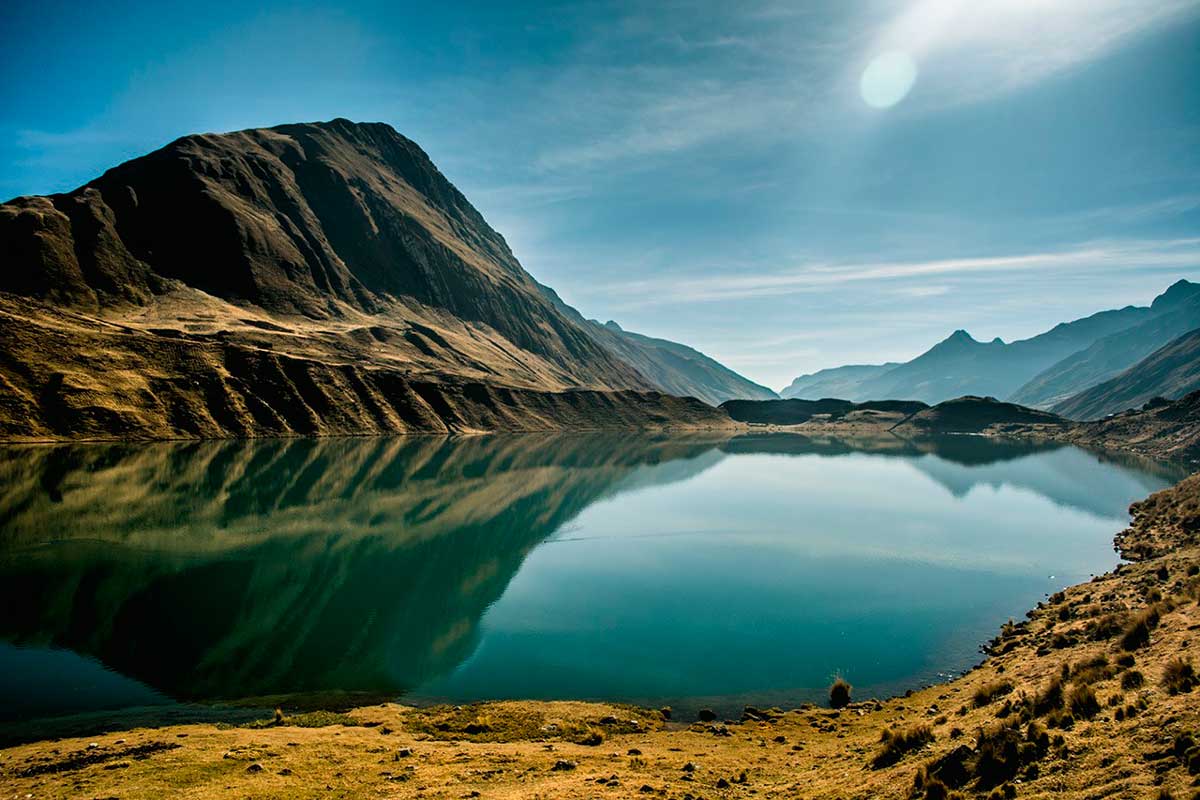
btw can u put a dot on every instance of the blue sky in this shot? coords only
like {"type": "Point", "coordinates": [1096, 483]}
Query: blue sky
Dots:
{"type": "Point", "coordinates": [706, 171]}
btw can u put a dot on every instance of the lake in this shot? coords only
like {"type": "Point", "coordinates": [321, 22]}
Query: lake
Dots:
{"type": "Point", "coordinates": [682, 571]}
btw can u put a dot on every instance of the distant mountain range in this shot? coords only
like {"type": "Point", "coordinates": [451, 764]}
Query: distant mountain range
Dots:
{"type": "Point", "coordinates": [1045, 371]}
{"type": "Point", "coordinates": [675, 368]}
{"type": "Point", "coordinates": [304, 279]}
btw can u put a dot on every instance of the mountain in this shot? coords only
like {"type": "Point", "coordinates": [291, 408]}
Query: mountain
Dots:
{"type": "Point", "coordinates": [1035, 372]}
{"type": "Point", "coordinates": [681, 370]}
{"type": "Point", "coordinates": [675, 368]}
{"type": "Point", "coordinates": [1173, 313]}
{"type": "Point", "coordinates": [835, 382]}
{"type": "Point", "coordinates": [1169, 372]}
{"type": "Point", "coordinates": [310, 278]}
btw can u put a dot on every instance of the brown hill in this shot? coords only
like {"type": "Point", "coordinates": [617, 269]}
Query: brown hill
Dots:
{"type": "Point", "coordinates": [1160, 429]}
{"type": "Point", "coordinates": [298, 279]}
{"type": "Point", "coordinates": [976, 415]}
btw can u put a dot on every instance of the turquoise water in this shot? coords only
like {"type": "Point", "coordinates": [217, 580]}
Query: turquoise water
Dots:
{"type": "Point", "coordinates": [684, 571]}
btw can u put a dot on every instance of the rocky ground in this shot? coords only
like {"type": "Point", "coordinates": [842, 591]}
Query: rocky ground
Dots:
{"type": "Point", "coordinates": [1093, 695]}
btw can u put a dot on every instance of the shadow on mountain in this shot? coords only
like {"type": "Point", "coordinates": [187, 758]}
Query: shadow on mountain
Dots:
{"type": "Point", "coordinates": [242, 569]}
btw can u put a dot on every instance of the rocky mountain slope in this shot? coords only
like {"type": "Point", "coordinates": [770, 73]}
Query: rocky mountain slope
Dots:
{"type": "Point", "coordinates": [1035, 372]}
{"type": "Point", "coordinates": [835, 382]}
{"type": "Point", "coordinates": [1175, 312]}
{"type": "Point", "coordinates": [673, 367]}
{"type": "Point", "coordinates": [284, 280]}
{"type": "Point", "coordinates": [1169, 372]}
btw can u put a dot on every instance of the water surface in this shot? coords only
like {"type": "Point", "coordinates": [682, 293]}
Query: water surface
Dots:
{"type": "Point", "coordinates": [683, 571]}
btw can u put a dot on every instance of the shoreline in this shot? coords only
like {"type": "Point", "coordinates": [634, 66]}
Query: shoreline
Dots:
{"type": "Point", "coordinates": [522, 748]}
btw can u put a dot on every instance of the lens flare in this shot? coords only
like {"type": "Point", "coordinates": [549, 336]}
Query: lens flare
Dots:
{"type": "Point", "coordinates": [887, 79]}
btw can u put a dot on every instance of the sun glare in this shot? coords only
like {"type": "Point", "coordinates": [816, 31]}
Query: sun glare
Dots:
{"type": "Point", "coordinates": [887, 79]}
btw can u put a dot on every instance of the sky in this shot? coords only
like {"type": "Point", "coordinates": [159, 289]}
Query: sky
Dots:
{"type": "Point", "coordinates": [786, 186]}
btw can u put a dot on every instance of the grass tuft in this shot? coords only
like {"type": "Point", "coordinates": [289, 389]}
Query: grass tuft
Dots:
{"type": "Point", "coordinates": [1083, 702]}
{"type": "Point", "coordinates": [896, 743]}
{"type": "Point", "coordinates": [839, 693]}
{"type": "Point", "coordinates": [1179, 677]}
{"type": "Point", "coordinates": [989, 692]}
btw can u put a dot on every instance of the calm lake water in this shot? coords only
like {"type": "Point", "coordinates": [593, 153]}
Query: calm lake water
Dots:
{"type": "Point", "coordinates": [683, 571]}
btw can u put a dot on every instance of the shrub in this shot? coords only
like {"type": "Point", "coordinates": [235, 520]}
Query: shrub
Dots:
{"type": "Point", "coordinates": [1092, 670]}
{"type": "Point", "coordinates": [1049, 699]}
{"type": "Point", "coordinates": [999, 756]}
{"type": "Point", "coordinates": [1060, 719]}
{"type": "Point", "coordinates": [839, 693]}
{"type": "Point", "coordinates": [988, 692]}
{"type": "Point", "coordinates": [897, 743]}
{"type": "Point", "coordinates": [1126, 660]}
{"type": "Point", "coordinates": [936, 790]}
{"type": "Point", "coordinates": [592, 737]}
{"type": "Point", "coordinates": [1137, 634]}
{"type": "Point", "coordinates": [1132, 679]}
{"type": "Point", "coordinates": [1107, 626]}
{"type": "Point", "coordinates": [1083, 702]}
{"type": "Point", "coordinates": [1178, 676]}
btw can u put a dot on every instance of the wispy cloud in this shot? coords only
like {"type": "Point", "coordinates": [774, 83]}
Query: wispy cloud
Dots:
{"type": "Point", "coordinates": [969, 51]}
{"type": "Point", "coordinates": [1090, 257]}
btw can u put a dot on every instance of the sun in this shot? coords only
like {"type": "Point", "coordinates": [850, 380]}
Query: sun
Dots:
{"type": "Point", "coordinates": [887, 79]}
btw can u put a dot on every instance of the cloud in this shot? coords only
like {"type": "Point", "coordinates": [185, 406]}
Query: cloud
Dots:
{"type": "Point", "coordinates": [1090, 257]}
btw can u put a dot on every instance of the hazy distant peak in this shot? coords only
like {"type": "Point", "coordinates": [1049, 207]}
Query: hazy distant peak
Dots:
{"type": "Point", "coordinates": [959, 339]}
{"type": "Point", "coordinates": [1176, 294]}
{"type": "Point", "coordinates": [612, 325]}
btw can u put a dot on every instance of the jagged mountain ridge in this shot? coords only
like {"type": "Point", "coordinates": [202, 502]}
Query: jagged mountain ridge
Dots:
{"type": "Point", "coordinates": [1173, 313]}
{"type": "Point", "coordinates": [337, 248]}
{"type": "Point", "coordinates": [959, 365]}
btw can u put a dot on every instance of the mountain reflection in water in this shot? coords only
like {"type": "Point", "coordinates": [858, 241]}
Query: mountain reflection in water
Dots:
{"type": "Point", "coordinates": [243, 569]}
